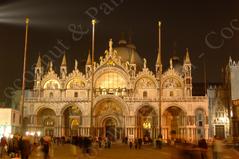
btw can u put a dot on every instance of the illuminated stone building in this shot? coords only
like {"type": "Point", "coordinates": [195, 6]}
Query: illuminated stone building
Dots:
{"type": "Point", "coordinates": [218, 111]}
{"type": "Point", "coordinates": [128, 98]}
{"type": "Point", "coordinates": [232, 83]}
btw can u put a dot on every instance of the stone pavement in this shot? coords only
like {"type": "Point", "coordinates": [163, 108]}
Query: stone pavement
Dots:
{"type": "Point", "coordinates": [119, 151]}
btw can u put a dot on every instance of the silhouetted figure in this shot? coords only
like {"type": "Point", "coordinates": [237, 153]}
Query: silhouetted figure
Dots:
{"type": "Point", "coordinates": [203, 145]}
{"type": "Point", "coordinates": [46, 147]}
{"type": "Point", "coordinates": [130, 144]}
{"type": "Point", "coordinates": [140, 141]}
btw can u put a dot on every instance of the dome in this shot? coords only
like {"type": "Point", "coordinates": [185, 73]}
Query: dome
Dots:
{"type": "Point", "coordinates": [125, 51]}
{"type": "Point", "coordinates": [177, 64]}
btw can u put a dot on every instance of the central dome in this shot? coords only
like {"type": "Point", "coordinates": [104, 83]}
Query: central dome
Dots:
{"type": "Point", "coordinates": [125, 51]}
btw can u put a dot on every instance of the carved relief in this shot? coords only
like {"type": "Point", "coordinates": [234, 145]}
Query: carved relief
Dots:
{"type": "Point", "coordinates": [171, 83]}
{"type": "Point", "coordinates": [145, 83]}
{"type": "Point", "coordinates": [108, 107]}
{"type": "Point", "coordinates": [52, 84]}
{"type": "Point", "coordinates": [75, 84]}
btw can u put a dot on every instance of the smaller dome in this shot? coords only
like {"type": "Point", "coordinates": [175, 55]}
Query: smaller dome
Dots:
{"type": "Point", "coordinates": [125, 51]}
{"type": "Point", "coordinates": [177, 65]}
{"type": "Point", "coordinates": [122, 42]}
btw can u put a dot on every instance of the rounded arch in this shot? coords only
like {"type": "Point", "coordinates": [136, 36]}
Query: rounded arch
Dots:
{"type": "Point", "coordinates": [145, 105]}
{"type": "Point", "coordinates": [100, 99]}
{"type": "Point", "coordinates": [104, 119]}
{"type": "Point", "coordinates": [145, 82]}
{"type": "Point", "coordinates": [51, 84]}
{"type": "Point", "coordinates": [39, 109]}
{"type": "Point", "coordinates": [173, 105]}
{"type": "Point", "coordinates": [200, 108]}
{"type": "Point", "coordinates": [69, 105]}
{"type": "Point", "coordinates": [75, 83]}
{"type": "Point", "coordinates": [172, 81]}
{"type": "Point", "coordinates": [115, 75]}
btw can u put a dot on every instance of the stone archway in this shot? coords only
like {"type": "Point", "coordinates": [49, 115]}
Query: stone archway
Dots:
{"type": "Point", "coordinates": [108, 118]}
{"type": "Point", "coordinates": [46, 121]}
{"type": "Point", "coordinates": [72, 120]}
{"type": "Point", "coordinates": [110, 128]}
{"type": "Point", "coordinates": [173, 123]}
{"type": "Point", "coordinates": [146, 122]}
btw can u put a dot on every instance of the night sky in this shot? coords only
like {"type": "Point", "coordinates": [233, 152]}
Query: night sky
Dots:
{"type": "Point", "coordinates": [185, 24]}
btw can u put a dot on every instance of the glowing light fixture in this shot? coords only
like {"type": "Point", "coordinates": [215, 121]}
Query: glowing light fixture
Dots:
{"type": "Point", "coordinates": [147, 124]}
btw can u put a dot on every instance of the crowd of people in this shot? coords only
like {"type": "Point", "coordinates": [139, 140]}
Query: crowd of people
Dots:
{"type": "Point", "coordinates": [21, 146]}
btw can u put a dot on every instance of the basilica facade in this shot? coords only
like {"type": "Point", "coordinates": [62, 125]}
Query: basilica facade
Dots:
{"type": "Point", "coordinates": [117, 96]}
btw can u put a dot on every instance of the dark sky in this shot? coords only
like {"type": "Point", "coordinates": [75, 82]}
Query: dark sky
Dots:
{"type": "Point", "coordinates": [185, 25]}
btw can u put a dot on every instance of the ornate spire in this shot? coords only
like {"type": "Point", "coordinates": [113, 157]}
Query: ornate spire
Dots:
{"type": "Point", "coordinates": [63, 63]}
{"type": "Point", "coordinates": [110, 45]}
{"type": "Point", "coordinates": [38, 61]}
{"type": "Point", "coordinates": [171, 63]}
{"type": "Point", "coordinates": [132, 59]}
{"type": "Point", "coordinates": [159, 62]}
{"type": "Point", "coordinates": [88, 62]}
{"type": "Point", "coordinates": [187, 59]}
{"type": "Point", "coordinates": [50, 66]}
{"type": "Point", "coordinates": [76, 64]}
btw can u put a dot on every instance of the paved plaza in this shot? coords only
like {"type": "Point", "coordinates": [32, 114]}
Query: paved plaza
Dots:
{"type": "Point", "coordinates": [120, 151]}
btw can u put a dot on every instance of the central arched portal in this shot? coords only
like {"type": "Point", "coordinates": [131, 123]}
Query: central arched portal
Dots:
{"type": "Point", "coordinates": [109, 119]}
{"type": "Point", "coordinates": [110, 128]}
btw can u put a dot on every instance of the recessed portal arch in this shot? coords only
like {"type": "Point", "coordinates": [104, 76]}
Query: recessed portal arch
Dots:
{"type": "Point", "coordinates": [173, 123]}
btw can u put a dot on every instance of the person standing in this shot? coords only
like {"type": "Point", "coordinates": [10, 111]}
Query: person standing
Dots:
{"type": "Point", "coordinates": [217, 148]}
{"type": "Point", "coordinates": [130, 144]}
{"type": "Point", "coordinates": [203, 145]}
{"type": "Point", "coordinates": [140, 141]}
{"type": "Point", "coordinates": [3, 143]}
{"type": "Point", "coordinates": [136, 143]}
{"type": "Point", "coordinates": [25, 148]}
{"type": "Point", "coordinates": [100, 141]}
{"type": "Point", "coordinates": [46, 149]}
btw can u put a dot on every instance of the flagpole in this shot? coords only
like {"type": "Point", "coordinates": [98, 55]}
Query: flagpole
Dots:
{"type": "Point", "coordinates": [92, 80]}
{"type": "Point", "coordinates": [24, 72]}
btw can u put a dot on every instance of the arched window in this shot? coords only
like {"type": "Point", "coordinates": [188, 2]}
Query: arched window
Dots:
{"type": "Point", "coordinates": [111, 80]}
{"type": "Point", "coordinates": [52, 84]}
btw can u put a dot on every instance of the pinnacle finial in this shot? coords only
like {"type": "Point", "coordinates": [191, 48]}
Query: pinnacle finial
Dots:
{"type": "Point", "coordinates": [63, 63]}
{"type": "Point", "coordinates": [88, 62]}
{"type": "Point", "coordinates": [187, 59]}
{"type": "Point", "coordinates": [159, 61]}
{"type": "Point", "coordinates": [38, 61]}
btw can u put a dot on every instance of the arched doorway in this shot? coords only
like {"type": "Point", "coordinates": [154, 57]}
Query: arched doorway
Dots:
{"type": "Point", "coordinates": [109, 119]}
{"type": "Point", "coordinates": [46, 120]}
{"type": "Point", "coordinates": [72, 120]}
{"type": "Point", "coordinates": [110, 125]}
{"type": "Point", "coordinates": [146, 122]}
{"type": "Point", "coordinates": [173, 123]}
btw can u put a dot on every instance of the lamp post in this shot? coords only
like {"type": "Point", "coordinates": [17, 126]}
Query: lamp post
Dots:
{"type": "Point", "coordinates": [24, 72]}
{"type": "Point", "coordinates": [92, 80]}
